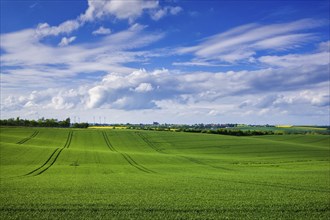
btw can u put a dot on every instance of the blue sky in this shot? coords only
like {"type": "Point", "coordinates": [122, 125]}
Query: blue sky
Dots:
{"type": "Point", "coordinates": [169, 61]}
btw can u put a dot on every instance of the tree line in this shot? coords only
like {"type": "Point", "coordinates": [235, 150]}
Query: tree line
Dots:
{"type": "Point", "coordinates": [54, 123]}
{"type": "Point", "coordinates": [234, 132]}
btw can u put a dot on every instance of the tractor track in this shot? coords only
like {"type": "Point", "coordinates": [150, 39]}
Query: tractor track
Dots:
{"type": "Point", "coordinates": [43, 164]}
{"type": "Point", "coordinates": [135, 164]}
{"type": "Point", "coordinates": [28, 138]}
{"type": "Point", "coordinates": [52, 159]}
{"type": "Point", "coordinates": [68, 140]}
{"type": "Point", "coordinates": [107, 141]}
{"type": "Point", "coordinates": [192, 160]}
{"type": "Point", "coordinates": [128, 158]}
{"type": "Point", "coordinates": [149, 143]}
{"type": "Point", "coordinates": [196, 161]}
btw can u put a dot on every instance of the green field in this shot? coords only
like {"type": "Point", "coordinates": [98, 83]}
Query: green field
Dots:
{"type": "Point", "coordinates": [49, 173]}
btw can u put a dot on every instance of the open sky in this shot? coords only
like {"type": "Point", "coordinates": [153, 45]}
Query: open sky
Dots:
{"type": "Point", "coordinates": [169, 61]}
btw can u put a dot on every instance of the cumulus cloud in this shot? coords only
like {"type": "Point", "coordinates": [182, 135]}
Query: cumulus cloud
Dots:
{"type": "Point", "coordinates": [127, 90]}
{"type": "Point", "coordinates": [317, 98]}
{"type": "Point", "coordinates": [45, 99]}
{"type": "Point", "coordinates": [58, 103]}
{"type": "Point", "coordinates": [144, 87]}
{"type": "Point", "coordinates": [97, 96]}
{"type": "Point", "coordinates": [102, 31]}
{"type": "Point", "coordinates": [66, 41]}
{"type": "Point", "coordinates": [120, 9]}
{"type": "Point", "coordinates": [262, 92]}
{"type": "Point", "coordinates": [151, 88]}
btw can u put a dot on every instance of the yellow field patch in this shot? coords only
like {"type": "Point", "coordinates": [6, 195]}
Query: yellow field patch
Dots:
{"type": "Point", "coordinates": [283, 126]}
{"type": "Point", "coordinates": [107, 127]}
{"type": "Point", "coordinates": [310, 128]}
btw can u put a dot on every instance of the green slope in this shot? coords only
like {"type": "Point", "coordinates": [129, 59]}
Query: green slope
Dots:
{"type": "Point", "coordinates": [67, 173]}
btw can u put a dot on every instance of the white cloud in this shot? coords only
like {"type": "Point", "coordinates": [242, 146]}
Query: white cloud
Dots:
{"type": "Point", "coordinates": [202, 95]}
{"type": "Point", "coordinates": [133, 90]}
{"type": "Point", "coordinates": [158, 14]}
{"type": "Point", "coordinates": [25, 60]}
{"type": "Point", "coordinates": [197, 63]}
{"type": "Point", "coordinates": [162, 12]}
{"type": "Point", "coordinates": [46, 99]}
{"type": "Point", "coordinates": [101, 9]}
{"type": "Point", "coordinates": [242, 43]}
{"type": "Point", "coordinates": [44, 30]}
{"type": "Point", "coordinates": [317, 97]}
{"type": "Point", "coordinates": [296, 60]}
{"type": "Point", "coordinates": [175, 10]}
{"type": "Point", "coordinates": [144, 87]}
{"type": "Point", "coordinates": [284, 42]}
{"type": "Point", "coordinates": [324, 46]}
{"type": "Point", "coordinates": [97, 95]}
{"type": "Point", "coordinates": [58, 103]}
{"type": "Point", "coordinates": [66, 41]}
{"type": "Point", "coordinates": [95, 76]}
{"type": "Point", "coordinates": [119, 9]}
{"type": "Point", "coordinates": [102, 31]}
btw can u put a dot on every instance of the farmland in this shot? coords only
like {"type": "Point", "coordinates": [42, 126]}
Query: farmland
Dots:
{"type": "Point", "coordinates": [121, 174]}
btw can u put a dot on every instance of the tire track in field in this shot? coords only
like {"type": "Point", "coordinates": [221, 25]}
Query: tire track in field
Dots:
{"type": "Point", "coordinates": [192, 160]}
{"type": "Point", "coordinates": [149, 143]}
{"type": "Point", "coordinates": [107, 141]}
{"type": "Point", "coordinates": [135, 164]}
{"type": "Point", "coordinates": [196, 161]}
{"type": "Point", "coordinates": [128, 158]}
{"type": "Point", "coordinates": [52, 159]}
{"type": "Point", "coordinates": [28, 138]}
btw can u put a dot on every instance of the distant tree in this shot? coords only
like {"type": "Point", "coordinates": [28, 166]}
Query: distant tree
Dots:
{"type": "Point", "coordinates": [80, 125]}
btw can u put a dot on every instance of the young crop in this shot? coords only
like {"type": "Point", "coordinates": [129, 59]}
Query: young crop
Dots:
{"type": "Point", "coordinates": [52, 173]}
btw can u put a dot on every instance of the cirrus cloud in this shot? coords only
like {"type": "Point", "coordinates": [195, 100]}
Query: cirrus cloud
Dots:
{"type": "Point", "coordinates": [243, 42]}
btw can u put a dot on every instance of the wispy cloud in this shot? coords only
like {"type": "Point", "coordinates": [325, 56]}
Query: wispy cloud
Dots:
{"type": "Point", "coordinates": [24, 55]}
{"type": "Point", "coordinates": [295, 60]}
{"type": "Point", "coordinates": [102, 31]}
{"type": "Point", "coordinates": [101, 9]}
{"type": "Point", "coordinates": [197, 63]}
{"type": "Point", "coordinates": [242, 43]}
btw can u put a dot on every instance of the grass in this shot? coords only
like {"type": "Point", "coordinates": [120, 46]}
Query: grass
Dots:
{"type": "Point", "coordinates": [124, 174]}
